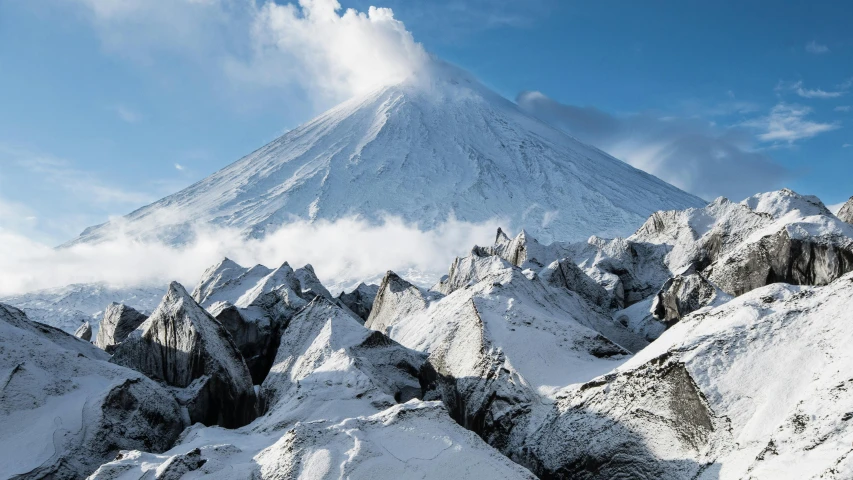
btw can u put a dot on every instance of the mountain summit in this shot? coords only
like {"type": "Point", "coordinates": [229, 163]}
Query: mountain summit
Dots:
{"type": "Point", "coordinates": [439, 145]}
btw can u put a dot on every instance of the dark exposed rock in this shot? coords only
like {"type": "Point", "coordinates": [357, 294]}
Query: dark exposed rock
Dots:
{"type": "Point", "coordinates": [360, 300]}
{"type": "Point", "coordinates": [564, 273]}
{"type": "Point", "coordinates": [182, 345]}
{"type": "Point", "coordinates": [781, 258]}
{"type": "Point", "coordinates": [84, 332]}
{"type": "Point", "coordinates": [254, 305]}
{"type": "Point", "coordinates": [600, 430]}
{"type": "Point", "coordinates": [310, 286]}
{"type": "Point", "coordinates": [119, 320]}
{"type": "Point", "coordinates": [681, 295]}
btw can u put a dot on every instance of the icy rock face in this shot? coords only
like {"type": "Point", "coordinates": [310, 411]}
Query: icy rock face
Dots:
{"type": "Point", "coordinates": [564, 273]}
{"type": "Point", "coordinates": [84, 332]}
{"type": "Point", "coordinates": [64, 410]}
{"type": "Point", "coordinates": [119, 320]}
{"type": "Point", "coordinates": [499, 345]}
{"type": "Point", "coordinates": [684, 294]}
{"type": "Point", "coordinates": [360, 300]}
{"type": "Point", "coordinates": [443, 145]}
{"type": "Point", "coordinates": [845, 213]}
{"type": "Point", "coordinates": [181, 345]}
{"type": "Point", "coordinates": [254, 305]}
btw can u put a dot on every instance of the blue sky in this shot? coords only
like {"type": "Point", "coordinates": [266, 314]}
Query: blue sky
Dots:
{"type": "Point", "coordinates": [109, 105]}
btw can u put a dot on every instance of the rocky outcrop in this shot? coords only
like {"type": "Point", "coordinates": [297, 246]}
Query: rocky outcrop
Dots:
{"type": "Point", "coordinates": [119, 320]}
{"type": "Point", "coordinates": [619, 427]}
{"type": "Point", "coordinates": [395, 299]}
{"type": "Point", "coordinates": [84, 332]}
{"type": "Point", "coordinates": [310, 286]}
{"type": "Point", "coordinates": [360, 300]}
{"type": "Point", "coordinates": [784, 257]}
{"type": "Point", "coordinates": [682, 295]}
{"type": "Point", "coordinates": [564, 273]}
{"type": "Point", "coordinates": [254, 305]}
{"type": "Point", "coordinates": [183, 346]}
{"type": "Point", "coordinates": [64, 410]}
{"type": "Point", "coordinates": [845, 213]}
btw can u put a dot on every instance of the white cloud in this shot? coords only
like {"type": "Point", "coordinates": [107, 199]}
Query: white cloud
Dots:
{"type": "Point", "coordinates": [797, 87]}
{"type": "Point", "coordinates": [313, 46]}
{"type": "Point", "coordinates": [788, 123]}
{"type": "Point", "coordinates": [816, 48]}
{"type": "Point", "coordinates": [842, 108]}
{"type": "Point", "coordinates": [180, 167]}
{"type": "Point", "coordinates": [694, 155]}
{"type": "Point", "coordinates": [846, 145]}
{"type": "Point", "coordinates": [330, 52]}
{"type": "Point", "coordinates": [342, 253]}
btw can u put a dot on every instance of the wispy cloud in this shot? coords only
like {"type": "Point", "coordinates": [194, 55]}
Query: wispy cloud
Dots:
{"type": "Point", "coordinates": [690, 153]}
{"type": "Point", "coordinates": [798, 88]}
{"type": "Point", "coordinates": [126, 114]}
{"type": "Point", "coordinates": [816, 48]}
{"type": "Point", "coordinates": [842, 108]}
{"type": "Point", "coordinates": [180, 167]}
{"type": "Point", "coordinates": [84, 185]}
{"type": "Point", "coordinates": [788, 123]}
{"type": "Point", "coordinates": [846, 145]}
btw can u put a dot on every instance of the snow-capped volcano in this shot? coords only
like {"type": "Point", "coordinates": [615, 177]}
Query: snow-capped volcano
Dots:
{"type": "Point", "coordinates": [439, 145]}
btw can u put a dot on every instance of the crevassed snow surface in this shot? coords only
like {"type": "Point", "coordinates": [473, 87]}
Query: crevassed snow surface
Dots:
{"type": "Point", "coordinates": [436, 146]}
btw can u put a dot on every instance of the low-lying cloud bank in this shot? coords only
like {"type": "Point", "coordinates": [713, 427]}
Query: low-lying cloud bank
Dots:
{"type": "Point", "coordinates": [342, 253]}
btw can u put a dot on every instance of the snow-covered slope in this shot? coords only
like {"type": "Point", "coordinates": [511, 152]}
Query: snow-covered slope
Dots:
{"type": "Point", "coordinates": [68, 307]}
{"type": "Point", "coordinates": [438, 145]}
{"type": "Point", "coordinates": [757, 388]}
{"type": "Point", "coordinates": [64, 410]}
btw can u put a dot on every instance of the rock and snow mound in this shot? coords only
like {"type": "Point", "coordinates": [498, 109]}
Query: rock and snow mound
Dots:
{"type": "Point", "coordinates": [181, 345]}
{"type": "Point", "coordinates": [502, 342]}
{"type": "Point", "coordinates": [758, 387]}
{"type": "Point", "coordinates": [435, 147]}
{"type": "Point", "coordinates": [64, 410]}
{"type": "Point", "coordinates": [332, 412]}
{"type": "Point", "coordinates": [330, 367]}
{"type": "Point", "coordinates": [412, 440]}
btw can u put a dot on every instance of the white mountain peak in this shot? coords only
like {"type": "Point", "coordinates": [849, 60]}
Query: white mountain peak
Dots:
{"type": "Point", "coordinates": [435, 146]}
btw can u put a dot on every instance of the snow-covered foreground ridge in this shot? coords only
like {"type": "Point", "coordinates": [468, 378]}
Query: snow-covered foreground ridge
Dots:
{"type": "Point", "coordinates": [712, 343]}
{"type": "Point", "coordinates": [437, 146]}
